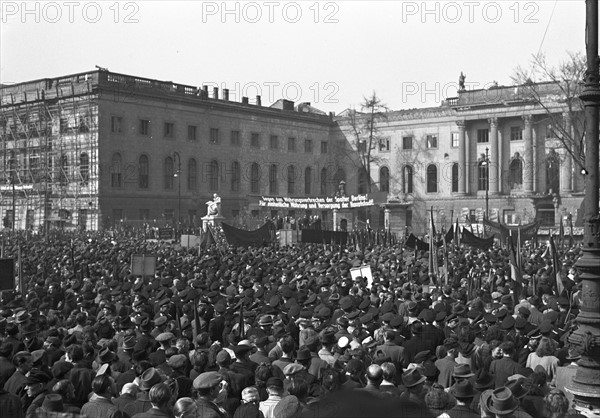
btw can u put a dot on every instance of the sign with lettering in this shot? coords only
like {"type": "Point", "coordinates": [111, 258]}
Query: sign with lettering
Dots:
{"type": "Point", "coordinates": [166, 233]}
{"type": "Point", "coordinates": [143, 264]}
{"type": "Point", "coordinates": [338, 202]}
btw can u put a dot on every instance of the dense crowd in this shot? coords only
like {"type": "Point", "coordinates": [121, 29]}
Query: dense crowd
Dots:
{"type": "Point", "coordinates": [280, 332]}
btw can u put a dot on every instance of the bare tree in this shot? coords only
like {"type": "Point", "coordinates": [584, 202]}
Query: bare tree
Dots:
{"type": "Point", "coordinates": [366, 135]}
{"type": "Point", "coordinates": [563, 84]}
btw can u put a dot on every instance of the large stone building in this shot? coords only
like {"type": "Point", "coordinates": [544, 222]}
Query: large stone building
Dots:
{"type": "Point", "coordinates": [98, 148]}
{"type": "Point", "coordinates": [503, 142]}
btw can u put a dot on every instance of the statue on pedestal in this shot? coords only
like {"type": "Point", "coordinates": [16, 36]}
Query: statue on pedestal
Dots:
{"type": "Point", "coordinates": [461, 82]}
{"type": "Point", "coordinates": [213, 207]}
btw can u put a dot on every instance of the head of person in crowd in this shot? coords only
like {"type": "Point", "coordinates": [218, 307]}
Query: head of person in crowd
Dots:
{"type": "Point", "coordinates": [374, 375]}
{"type": "Point", "coordinates": [185, 408]}
{"type": "Point", "coordinates": [388, 370]}
{"type": "Point", "coordinates": [160, 396]}
{"type": "Point", "coordinates": [437, 399]}
{"type": "Point", "coordinates": [104, 386]}
{"type": "Point", "coordinates": [65, 389]}
{"type": "Point", "coordinates": [208, 385]}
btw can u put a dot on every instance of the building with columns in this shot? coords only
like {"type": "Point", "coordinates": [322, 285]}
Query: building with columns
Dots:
{"type": "Point", "coordinates": [497, 147]}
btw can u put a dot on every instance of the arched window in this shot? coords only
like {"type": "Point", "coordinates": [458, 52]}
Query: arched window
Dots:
{"type": "Point", "coordinates": [483, 171]}
{"type": "Point", "coordinates": [515, 173]}
{"type": "Point", "coordinates": [432, 178]}
{"type": "Point", "coordinates": [143, 172]}
{"type": "Point", "coordinates": [192, 179]}
{"type": "Point", "coordinates": [324, 181]}
{"type": "Point", "coordinates": [235, 176]}
{"type": "Point", "coordinates": [213, 176]}
{"type": "Point", "coordinates": [273, 183]}
{"type": "Point", "coordinates": [363, 181]}
{"type": "Point", "coordinates": [384, 179]}
{"type": "Point", "coordinates": [552, 172]}
{"type": "Point", "coordinates": [340, 175]}
{"type": "Point", "coordinates": [115, 170]}
{"type": "Point", "coordinates": [407, 179]}
{"type": "Point", "coordinates": [64, 169]}
{"type": "Point", "coordinates": [291, 179]}
{"type": "Point", "coordinates": [84, 167]}
{"type": "Point", "coordinates": [169, 173]}
{"type": "Point", "coordinates": [308, 180]}
{"type": "Point", "coordinates": [455, 178]}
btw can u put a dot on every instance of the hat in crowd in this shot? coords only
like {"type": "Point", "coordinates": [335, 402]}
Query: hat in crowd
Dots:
{"type": "Point", "coordinates": [327, 336]}
{"type": "Point", "coordinates": [450, 343]}
{"type": "Point", "coordinates": [53, 402]}
{"type": "Point", "coordinates": [207, 380]}
{"type": "Point", "coordinates": [165, 336]}
{"type": "Point", "coordinates": [223, 356]}
{"type": "Point", "coordinates": [412, 377]}
{"type": "Point", "coordinates": [61, 368]}
{"type": "Point", "coordinates": [517, 388]}
{"type": "Point", "coordinates": [484, 381]}
{"type": "Point", "coordinates": [241, 349]}
{"type": "Point", "coordinates": [149, 378]}
{"type": "Point", "coordinates": [500, 401]}
{"type": "Point", "coordinates": [36, 376]}
{"type": "Point", "coordinates": [106, 356]}
{"type": "Point", "coordinates": [292, 368]}
{"type": "Point", "coordinates": [265, 320]}
{"type": "Point", "coordinates": [462, 371]}
{"type": "Point", "coordinates": [288, 407]}
{"type": "Point", "coordinates": [303, 354]}
{"type": "Point", "coordinates": [463, 389]}
{"type": "Point", "coordinates": [177, 361]}
{"type": "Point", "coordinates": [129, 342]}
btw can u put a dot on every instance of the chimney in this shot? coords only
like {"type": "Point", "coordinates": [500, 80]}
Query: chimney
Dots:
{"type": "Point", "coordinates": [215, 92]}
{"type": "Point", "coordinates": [288, 105]}
{"type": "Point", "coordinates": [244, 100]}
{"type": "Point", "coordinates": [226, 94]}
{"type": "Point", "coordinates": [204, 92]}
{"type": "Point", "coordinates": [331, 115]}
{"type": "Point", "coordinates": [258, 102]}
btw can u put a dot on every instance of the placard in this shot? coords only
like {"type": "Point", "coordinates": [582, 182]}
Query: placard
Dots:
{"type": "Point", "coordinates": [166, 233]}
{"type": "Point", "coordinates": [143, 264]}
{"type": "Point", "coordinates": [362, 271]}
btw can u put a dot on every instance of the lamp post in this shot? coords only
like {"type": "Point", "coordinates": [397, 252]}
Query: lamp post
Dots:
{"type": "Point", "coordinates": [486, 164]}
{"type": "Point", "coordinates": [178, 175]}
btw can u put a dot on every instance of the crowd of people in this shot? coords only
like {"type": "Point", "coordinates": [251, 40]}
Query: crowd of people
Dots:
{"type": "Point", "coordinates": [279, 332]}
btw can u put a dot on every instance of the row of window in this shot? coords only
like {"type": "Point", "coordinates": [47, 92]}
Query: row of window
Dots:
{"type": "Point", "coordinates": [483, 136]}
{"type": "Point", "coordinates": [233, 173]}
{"type": "Point", "coordinates": [214, 137]}
{"type": "Point", "coordinates": [34, 170]}
{"type": "Point", "coordinates": [515, 177]}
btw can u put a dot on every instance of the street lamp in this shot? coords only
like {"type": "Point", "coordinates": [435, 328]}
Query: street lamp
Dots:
{"type": "Point", "coordinates": [178, 175]}
{"type": "Point", "coordinates": [486, 163]}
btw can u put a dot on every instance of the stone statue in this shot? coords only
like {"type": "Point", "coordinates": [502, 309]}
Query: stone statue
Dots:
{"type": "Point", "coordinates": [214, 206]}
{"type": "Point", "coordinates": [461, 82]}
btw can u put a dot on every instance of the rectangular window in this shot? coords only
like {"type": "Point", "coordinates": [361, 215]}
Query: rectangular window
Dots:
{"type": "Point", "coordinates": [273, 142]}
{"type": "Point", "coordinates": [169, 131]}
{"type": "Point", "coordinates": [291, 144]}
{"type": "Point", "coordinates": [169, 214]}
{"type": "Point", "coordinates": [483, 135]}
{"type": "Point", "coordinates": [308, 146]}
{"type": "Point", "coordinates": [214, 136]}
{"type": "Point", "coordinates": [255, 140]}
{"type": "Point", "coordinates": [144, 127]}
{"type": "Point", "coordinates": [407, 142]}
{"type": "Point", "coordinates": [116, 124]}
{"type": "Point", "coordinates": [455, 140]}
{"type": "Point", "coordinates": [516, 133]}
{"type": "Point", "coordinates": [192, 133]}
{"type": "Point", "coordinates": [235, 138]}
{"type": "Point", "coordinates": [384, 144]}
{"type": "Point", "coordinates": [432, 141]}
{"type": "Point", "coordinates": [324, 147]}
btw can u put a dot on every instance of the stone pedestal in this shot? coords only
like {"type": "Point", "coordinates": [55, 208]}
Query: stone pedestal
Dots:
{"type": "Point", "coordinates": [343, 220]}
{"type": "Point", "coordinates": [211, 220]}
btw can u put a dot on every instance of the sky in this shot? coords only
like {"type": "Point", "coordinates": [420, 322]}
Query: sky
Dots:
{"type": "Point", "coordinates": [329, 53]}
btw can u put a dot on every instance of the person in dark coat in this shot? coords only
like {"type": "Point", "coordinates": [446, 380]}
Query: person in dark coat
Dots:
{"type": "Point", "coordinates": [394, 352]}
{"type": "Point", "coordinates": [80, 376]}
{"type": "Point", "coordinates": [7, 368]}
{"type": "Point", "coordinates": [100, 404]}
{"type": "Point", "coordinates": [417, 343]}
{"type": "Point", "coordinates": [463, 392]}
{"type": "Point", "coordinates": [10, 404]}
{"type": "Point", "coordinates": [505, 367]}
{"type": "Point", "coordinates": [160, 397]}
{"type": "Point", "coordinates": [17, 382]}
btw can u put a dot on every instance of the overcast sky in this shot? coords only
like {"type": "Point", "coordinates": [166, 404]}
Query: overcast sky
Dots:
{"type": "Point", "coordinates": [328, 53]}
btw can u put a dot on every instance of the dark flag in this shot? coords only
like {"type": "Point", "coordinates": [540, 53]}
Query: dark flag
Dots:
{"type": "Point", "coordinates": [515, 270]}
{"type": "Point", "coordinates": [556, 266]}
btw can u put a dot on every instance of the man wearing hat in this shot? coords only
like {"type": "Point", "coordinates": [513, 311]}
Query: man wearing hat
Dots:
{"type": "Point", "coordinates": [209, 386]}
{"type": "Point", "coordinates": [275, 392]}
{"type": "Point", "coordinates": [504, 367]}
{"type": "Point", "coordinates": [390, 349]}
{"type": "Point", "coordinates": [446, 364]}
{"type": "Point", "coordinates": [17, 382]}
{"type": "Point", "coordinates": [36, 390]}
{"type": "Point", "coordinates": [142, 402]}
{"type": "Point", "coordinates": [500, 402]}
{"type": "Point", "coordinates": [243, 365]}
{"type": "Point", "coordinates": [413, 381]}
{"type": "Point", "coordinates": [158, 357]}
{"type": "Point", "coordinates": [463, 392]}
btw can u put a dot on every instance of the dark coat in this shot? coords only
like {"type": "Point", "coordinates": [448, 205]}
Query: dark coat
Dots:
{"type": "Point", "coordinates": [503, 368]}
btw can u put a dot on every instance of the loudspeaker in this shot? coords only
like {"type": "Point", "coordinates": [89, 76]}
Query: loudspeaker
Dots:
{"type": "Point", "coordinates": [7, 274]}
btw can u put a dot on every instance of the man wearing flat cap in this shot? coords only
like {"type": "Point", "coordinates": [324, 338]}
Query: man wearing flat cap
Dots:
{"type": "Point", "coordinates": [210, 386]}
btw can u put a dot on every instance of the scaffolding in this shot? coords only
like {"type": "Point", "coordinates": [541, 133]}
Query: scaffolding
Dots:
{"type": "Point", "coordinates": [49, 154]}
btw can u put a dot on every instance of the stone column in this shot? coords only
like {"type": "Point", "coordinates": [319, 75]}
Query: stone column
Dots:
{"type": "Point", "coordinates": [528, 157]}
{"type": "Point", "coordinates": [494, 158]}
{"type": "Point", "coordinates": [462, 158]}
{"type": "Point", "coordinates": [336, 216]}
{"type": "Point", "coordinates": [566, 163]}
{"type": "Point", "coordinates": [387, 218]}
